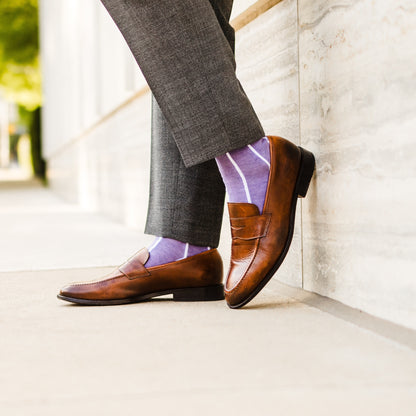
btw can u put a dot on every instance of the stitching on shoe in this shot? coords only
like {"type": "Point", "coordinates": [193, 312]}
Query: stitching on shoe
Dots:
{"type": "Point", "coordinates": [94, 282]}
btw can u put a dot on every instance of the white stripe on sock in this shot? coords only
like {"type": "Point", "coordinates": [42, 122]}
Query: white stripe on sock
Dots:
{"type": "Point", "coordinates": [259, 155]}
{"type": "Point", "coordinates": [241, 176]}
{"type": "Point", "coordinates": [154, 244]}
{"type": "Point", "coordinates": [186, 252]}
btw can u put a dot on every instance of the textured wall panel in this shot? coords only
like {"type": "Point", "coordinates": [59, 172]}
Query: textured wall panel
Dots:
{"type": "Point", "coordinates": [358, 114]}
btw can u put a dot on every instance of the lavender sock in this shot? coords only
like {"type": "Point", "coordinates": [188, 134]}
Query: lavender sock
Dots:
{"type": "Point", "coordinates": [165, 250]}
{"type": "Point", "coordinates": [245, 172]}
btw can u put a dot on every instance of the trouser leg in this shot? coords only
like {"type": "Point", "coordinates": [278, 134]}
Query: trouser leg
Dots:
{"type": "Point", "coordinates": [189, 65]}
{"type": "Point", "coordinates": [185, 204]}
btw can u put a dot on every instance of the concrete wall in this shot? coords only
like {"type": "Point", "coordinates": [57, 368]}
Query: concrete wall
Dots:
{"type": "Point", "coordinates": [335, 76]}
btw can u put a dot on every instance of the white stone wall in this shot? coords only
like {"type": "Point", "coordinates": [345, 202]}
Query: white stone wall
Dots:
{"type": "Point", "coordinates": [88, 69]}
{"type": "Point", "coordinates": [358, 115]}
{"type": "Point", "coordinates": [337, 77]}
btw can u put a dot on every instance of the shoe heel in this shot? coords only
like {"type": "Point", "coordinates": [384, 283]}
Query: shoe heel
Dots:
{"type": "Point", "coordinates": [307, 167]}
{"type": "Point", "coordinates": [194, 294]}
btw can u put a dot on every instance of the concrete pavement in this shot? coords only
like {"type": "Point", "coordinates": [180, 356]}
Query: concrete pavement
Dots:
{"type": "Point", "coordinates": [288, 352]}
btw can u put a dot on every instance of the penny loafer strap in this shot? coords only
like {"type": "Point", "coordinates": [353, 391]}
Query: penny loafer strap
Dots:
{"type": "Point", "coordinates": [250, 228]}
{"type": "Point", "coordinates": [134, 267]}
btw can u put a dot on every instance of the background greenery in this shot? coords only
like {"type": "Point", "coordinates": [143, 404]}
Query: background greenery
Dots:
{"type": "Point", "coordinates": [20, 77]}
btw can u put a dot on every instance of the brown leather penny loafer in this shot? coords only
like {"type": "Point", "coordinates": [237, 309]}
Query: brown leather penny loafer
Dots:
{"type": "Point", "coordinates": [261, 242]}
{"type": "Point", "coordinates": [196, 278]}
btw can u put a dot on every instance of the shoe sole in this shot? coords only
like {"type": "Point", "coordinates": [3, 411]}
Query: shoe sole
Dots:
{"type": "Point", "coordinates": [192, 294]}
{"type": "Point", "coordinates": [306, 169]}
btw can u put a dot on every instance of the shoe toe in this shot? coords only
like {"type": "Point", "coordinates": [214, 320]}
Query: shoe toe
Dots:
{"type": "Point", "coordinates": [73, 291]}
{"type": "Point", "coordinates": [67, 291]}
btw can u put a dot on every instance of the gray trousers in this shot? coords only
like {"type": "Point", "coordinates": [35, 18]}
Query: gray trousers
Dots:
{"type": "Point", "coordinates": [185, 49]}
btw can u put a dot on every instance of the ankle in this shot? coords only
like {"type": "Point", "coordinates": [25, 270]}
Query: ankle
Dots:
{"type": "Point", "coordinates": [245, 172]}
{"type": "Point", "coordinates": [166, 250]}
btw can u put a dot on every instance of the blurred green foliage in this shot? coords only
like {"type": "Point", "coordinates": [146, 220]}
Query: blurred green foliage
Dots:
{"type": "Point", "coordinates": [20, 78]}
